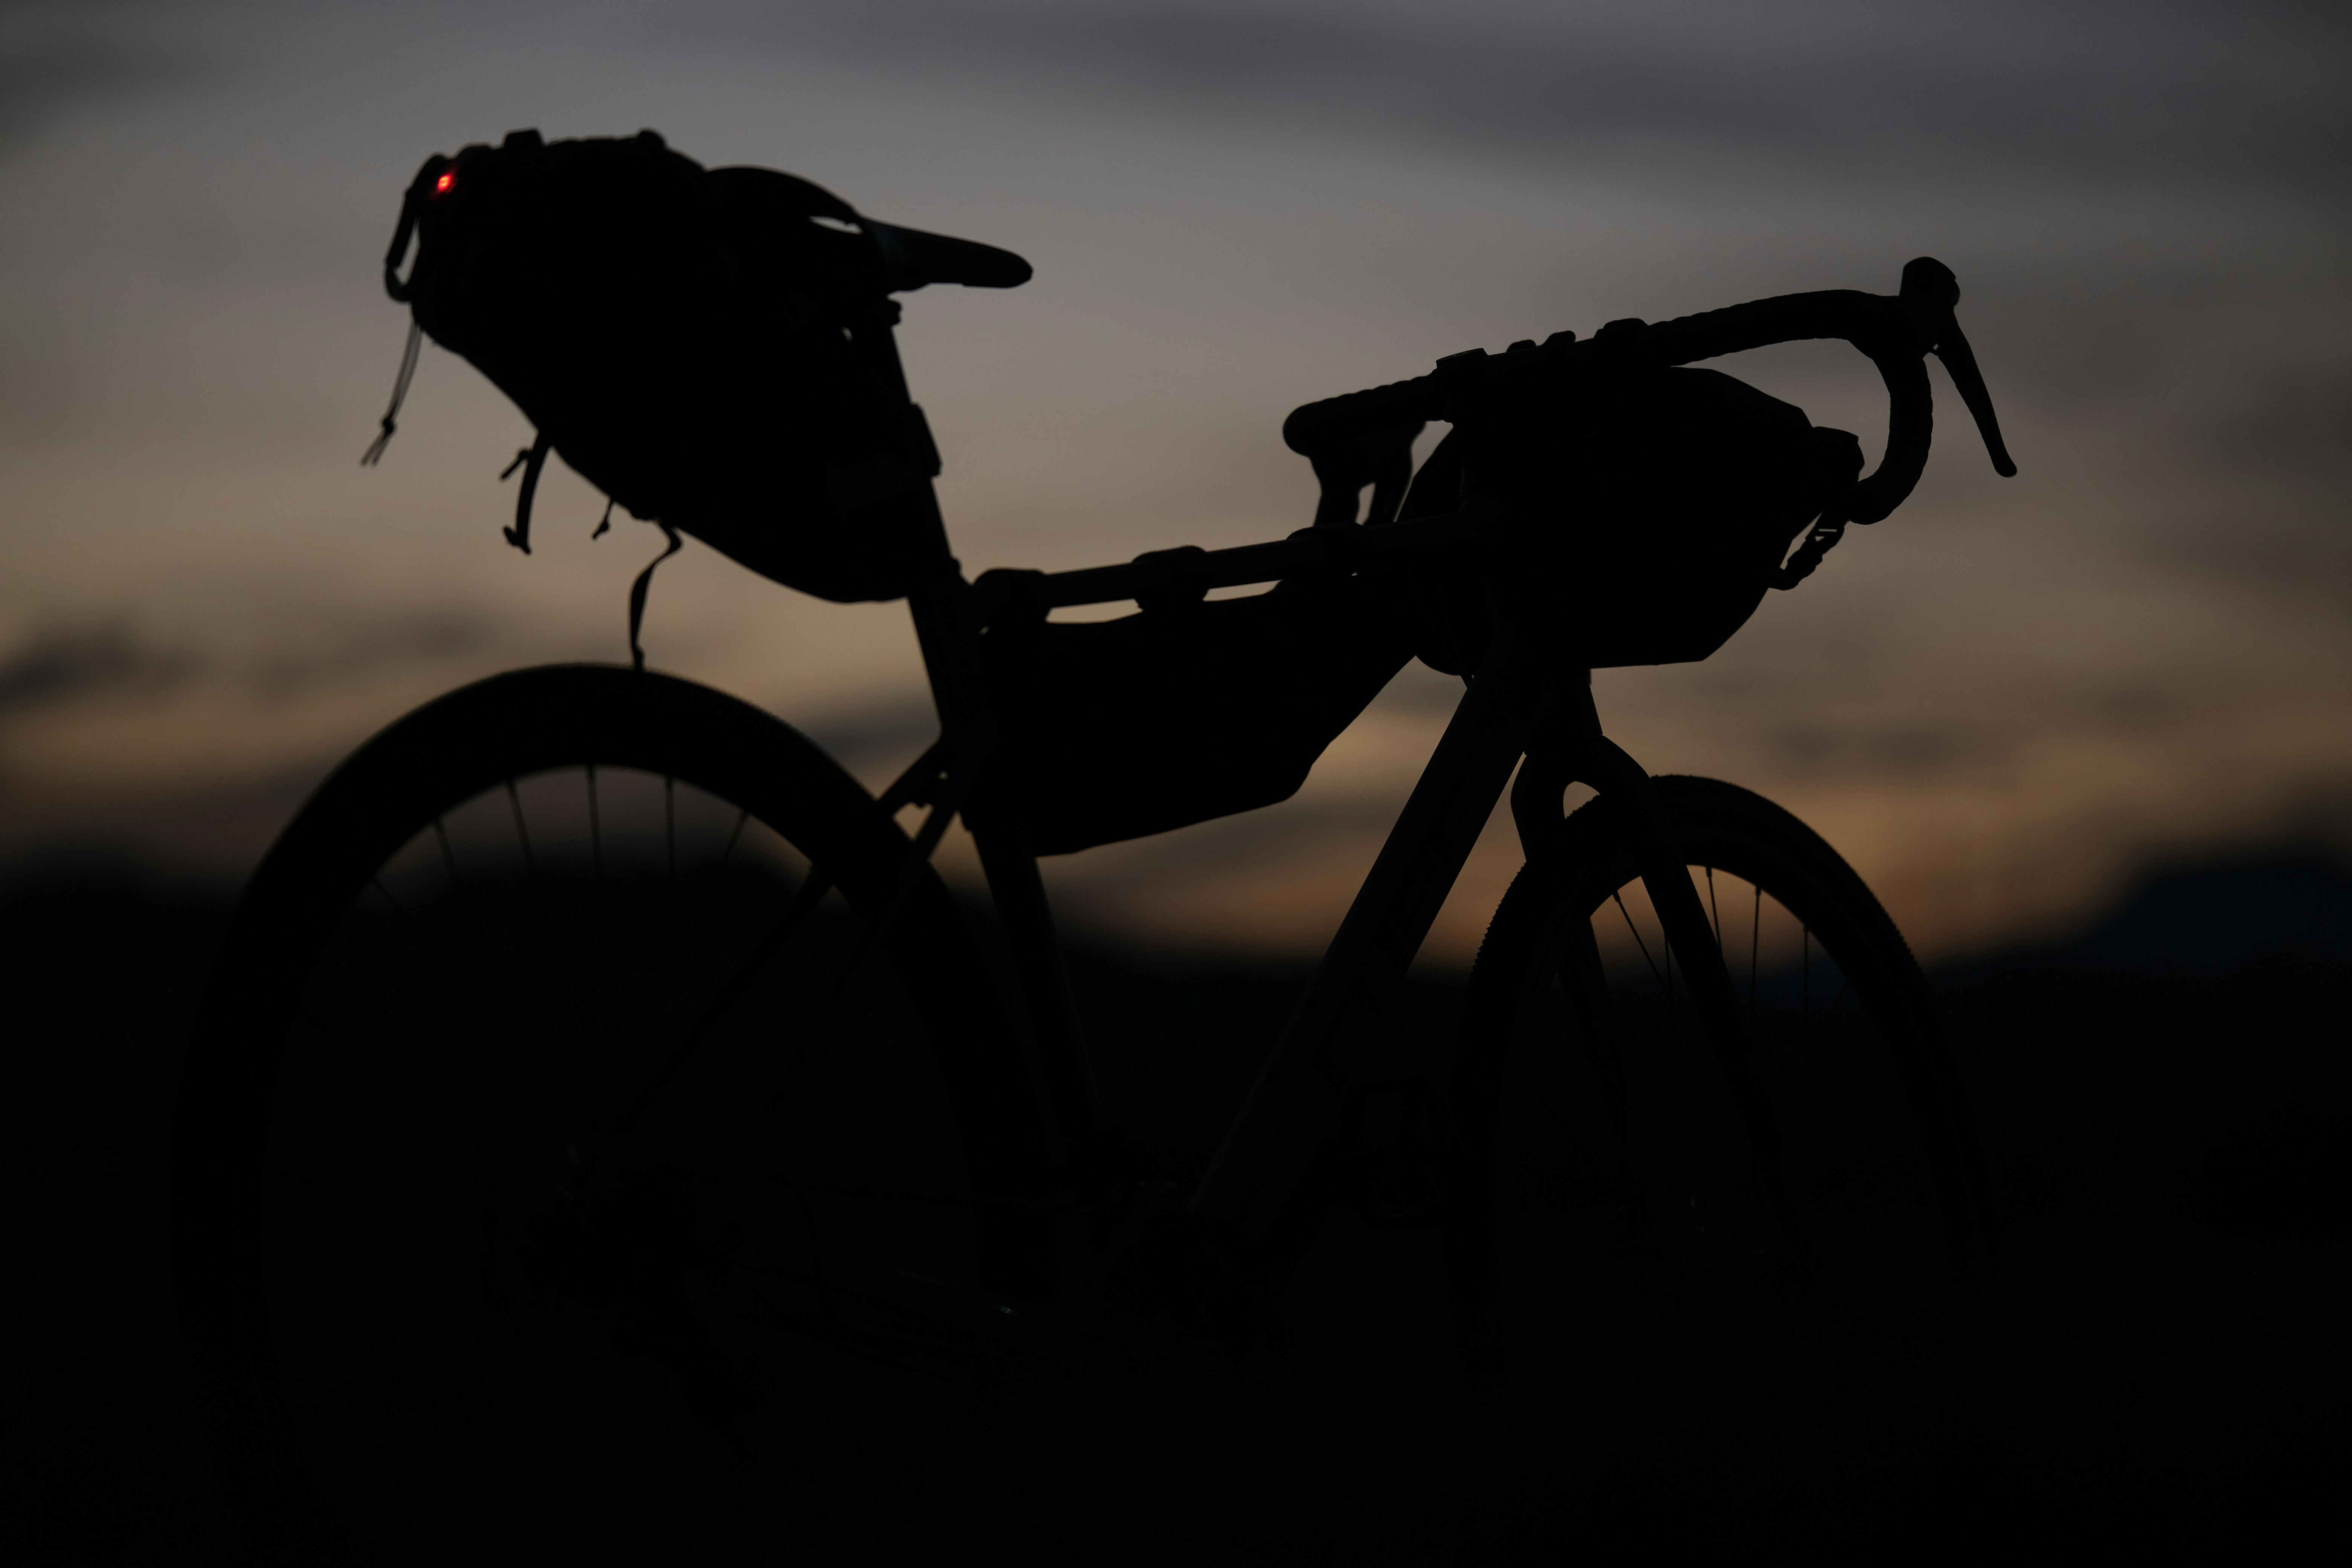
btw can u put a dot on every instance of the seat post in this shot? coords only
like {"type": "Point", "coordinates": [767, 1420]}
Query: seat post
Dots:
{"type": "Point", "coordinates": [948, 629]}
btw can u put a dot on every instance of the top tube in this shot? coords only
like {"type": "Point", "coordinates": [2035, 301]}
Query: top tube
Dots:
{"type": "Point", "coordinates": [1188, 572]}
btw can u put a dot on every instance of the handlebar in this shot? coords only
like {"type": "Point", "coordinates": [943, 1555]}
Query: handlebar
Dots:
{"type": "Point", "coordinates": [1344, 435]}
{"type": "Point", "coordinates": [1355, 439]}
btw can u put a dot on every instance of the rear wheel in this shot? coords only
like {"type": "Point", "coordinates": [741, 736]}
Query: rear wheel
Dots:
{"type": "Point", "coordinates": [591, 1054]}
{"type": "Point", "coordinates": [1600, 1146]}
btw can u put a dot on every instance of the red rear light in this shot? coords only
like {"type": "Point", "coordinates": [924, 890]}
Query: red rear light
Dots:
{"type": "Point", "coordinates": [441, 187]}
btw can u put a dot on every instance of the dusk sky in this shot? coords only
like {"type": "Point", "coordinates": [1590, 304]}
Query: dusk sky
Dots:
{"type": "Point", "coordinates": [1998, 703]}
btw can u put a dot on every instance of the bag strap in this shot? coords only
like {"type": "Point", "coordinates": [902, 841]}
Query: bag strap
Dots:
{"type": "Point", "coordinates": [1840, 456]}
{"type": "Point", "coordinates": [637, 592]}
{"type": "Point", "coordinates": [412, 203]}
{"type": "Point", "coordinates": [369, 458]}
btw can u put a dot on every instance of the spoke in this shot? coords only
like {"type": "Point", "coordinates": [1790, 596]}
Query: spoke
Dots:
{"type": "Point", "coordinates": [1677, 1049]}
{"type": "Point", "coordinates": [448, 857]}
{"type": "Point", "coordinates": [474, 1146]}
{"type": "Point", "coordinates": [1818, 1042]}
{"type": "Point", "coordinates": [738, 985]}
{"type": "Point", "coordinates": [508, 1050]}
{"type": "Point", "coordinates": [789, 1072]}
{"type": "Point", "coordinates": [797, 1060]}
{"type": "Point", "coordinates": [1666, 979]}
{"type": "Point", "coordinates": [522, 832]}
{"type": "Point", "coordinates": [467, 914]}
{"type": "Point", "coordinates": [1715, 916]}
{"type": "Point", "coordinates": [399, 1031]}
{"type": "Point", "coordinates": [509, 1108]}
{"type": "Point", "coordinates": [670, 845]}
{"type": "Point", "coordinates": [544, 925]}
{"type": "Point", "coordinates": [604, 934]}
{"type": "Point", "coordinates": [1619, 899]}
{"type": "Point", "coordinates": [1555, 1110]}
{"type": "Point", "coordinates": [1677, 1071]}
{"type": "Point", "coordinates": [718, 879]}
{"type": "Point", "coordinates": [1755, 938]}
{"type": "Point", "coordinates": [1637, 1074]}
{"type": "Point", "coordinates": [1666, 985]}
{"type": "Point", "coordinates": [1805, 977]}
{"type": "Point", "coordinates": [730, 996]}
{"type": "Point", "coordinates": [463, 905]}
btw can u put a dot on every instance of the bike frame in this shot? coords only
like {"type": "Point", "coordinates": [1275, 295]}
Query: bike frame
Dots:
{"type": "Point", "coordinates": [1528, 707]}
{"type": "Point", "coordinates": [1528, 699]}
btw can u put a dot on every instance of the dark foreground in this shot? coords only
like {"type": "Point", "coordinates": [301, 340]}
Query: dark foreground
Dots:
{"type": "Point", "coordinates": [2158, 1339]}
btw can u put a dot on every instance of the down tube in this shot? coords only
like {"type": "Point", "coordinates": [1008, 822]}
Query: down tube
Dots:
{"type": "Point", "coordinates": [1295, 1106]}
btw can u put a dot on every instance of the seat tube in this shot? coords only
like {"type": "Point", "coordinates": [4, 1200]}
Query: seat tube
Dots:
{"type": "Point", "coordinates": [947, 630]}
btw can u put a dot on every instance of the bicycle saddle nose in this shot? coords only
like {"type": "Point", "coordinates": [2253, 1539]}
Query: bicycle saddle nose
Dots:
{"type": "Point", "coordinates": [771, 205]}
{"type": "Point", "coordinates": [912, 259]}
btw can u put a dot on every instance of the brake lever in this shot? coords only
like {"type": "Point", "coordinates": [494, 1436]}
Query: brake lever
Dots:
{"type": "Point", "coordinates": [1961, 363]}
{"type": "Point", "coordinates": [1930, 296]}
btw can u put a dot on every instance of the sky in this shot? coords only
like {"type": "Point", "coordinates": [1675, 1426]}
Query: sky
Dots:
{"type": "Point", "coordinates": [1999, 704]}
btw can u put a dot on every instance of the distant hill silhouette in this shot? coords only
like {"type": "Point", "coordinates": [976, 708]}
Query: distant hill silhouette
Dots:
{"type": "Point", "coordinates": [100, 963]}
{"type": "Point", "coordinates": [2165, 1105]}
{"type": "Point", "coordinates": [99, 967]}
{"type": "Point", "coordinates": [2215, 918]}
{"type": "Point", "coordinates": [2235, 963]}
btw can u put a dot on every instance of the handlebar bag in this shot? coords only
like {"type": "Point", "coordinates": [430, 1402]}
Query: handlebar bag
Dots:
{"type": "Point", "coordinates": [682, 337]}
{"type": "Point", "coordinates": [1676, 493]}
{"type": "Point", "coordinates": [1152, 721]}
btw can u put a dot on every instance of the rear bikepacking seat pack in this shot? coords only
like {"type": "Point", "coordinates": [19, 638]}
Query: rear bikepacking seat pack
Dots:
{"type": "Point", "coordinates": [684, 337]}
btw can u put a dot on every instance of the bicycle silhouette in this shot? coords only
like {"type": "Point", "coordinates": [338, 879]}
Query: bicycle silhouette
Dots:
{"type": "Point", "coordinates": [587, 1016]}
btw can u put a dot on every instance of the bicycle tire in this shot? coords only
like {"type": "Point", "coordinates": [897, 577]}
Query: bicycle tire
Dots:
{"type": "Point", "coordinates": [1876, 1162]}
{"type": "Point", "coordinates": [296, 1049]}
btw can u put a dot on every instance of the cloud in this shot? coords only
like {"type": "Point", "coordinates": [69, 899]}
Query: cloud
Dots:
{"type": "Point", "coordinates": [427, 637]}
{"type": "Point", "coordinates": [68, 664]}
{"type": "Point", "coordinates": [2293, 422]}
{"type": "Point", "coordinates": [2252, 92]}
{"type": "Point", "coordinates": [52, 60]}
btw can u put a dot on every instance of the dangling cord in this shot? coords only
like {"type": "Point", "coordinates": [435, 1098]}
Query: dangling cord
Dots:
{"type": "Point", "coordinates": [531, 460]}
{"type": "Point", "coordinates": [637, 592]}
{"type": "Point", "coordinates": [606, 526]}
{"type": "Point", "coordinates": [399, 395]}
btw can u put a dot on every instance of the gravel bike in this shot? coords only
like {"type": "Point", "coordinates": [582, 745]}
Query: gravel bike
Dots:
{"type": "Point", "coordinates": [589, 1019]}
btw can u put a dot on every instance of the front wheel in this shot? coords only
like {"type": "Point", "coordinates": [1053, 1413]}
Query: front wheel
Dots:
{"type": "Point", "coordinates": [1598, 1141]}
{"type": "Point", "coordinates": [588, 1041]}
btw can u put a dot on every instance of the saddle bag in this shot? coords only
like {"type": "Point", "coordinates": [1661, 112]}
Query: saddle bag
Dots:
{"type": "Point", "coordinates": [687, 340]}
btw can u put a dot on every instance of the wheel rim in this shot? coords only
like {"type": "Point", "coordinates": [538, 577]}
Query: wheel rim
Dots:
{"type": "Point", "coordinates": [1675, 1152]}
{"type": "Point", "coordinates": [512, 1177]}
{"type": "Point", "coordinates": [1565, 1198]}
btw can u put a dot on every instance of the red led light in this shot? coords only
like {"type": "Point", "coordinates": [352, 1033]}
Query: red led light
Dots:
{"type": "Point", "coordinates": [441, 187]}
